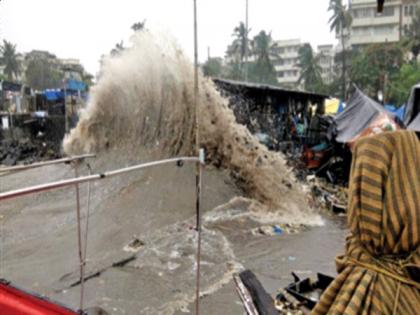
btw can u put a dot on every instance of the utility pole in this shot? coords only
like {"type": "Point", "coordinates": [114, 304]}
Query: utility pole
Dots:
{"type": "Point", "coordinates": [66, 122]}
{"type": "Point", "coordinates": [246, 40]}
{"type": "Point", "coordinates": [199, 166]}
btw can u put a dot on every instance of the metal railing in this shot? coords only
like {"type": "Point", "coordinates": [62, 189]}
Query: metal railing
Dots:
{"type": "Point", "coordinates": [18, 168]}
{"type": "Point", "coordinates": [200, 162]}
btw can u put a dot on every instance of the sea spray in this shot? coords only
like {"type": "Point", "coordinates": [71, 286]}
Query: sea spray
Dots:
{"type": "Point", "coordinates": [143, 102]}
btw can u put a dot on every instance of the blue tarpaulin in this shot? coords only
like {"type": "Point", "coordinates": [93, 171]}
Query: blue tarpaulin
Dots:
{"type": "Point", "coordinates": [54, 95]}
{"type": "Point", "coordinates": [399, 112]}
{"type": "Point", "coordinates": [75, 85]}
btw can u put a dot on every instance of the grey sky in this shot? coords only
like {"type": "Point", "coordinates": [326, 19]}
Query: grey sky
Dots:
{"type": "Point", "coordinates": [86, 29]}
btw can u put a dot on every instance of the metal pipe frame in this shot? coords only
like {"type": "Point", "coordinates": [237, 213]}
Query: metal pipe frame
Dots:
{"type": "Point", "coordinates": [69, 182]}
{"type": "Point", "coordinates": [19, 168]}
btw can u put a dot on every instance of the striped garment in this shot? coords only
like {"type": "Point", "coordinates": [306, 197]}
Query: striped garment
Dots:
{"type": "Point", "coordinates": [380, 272]}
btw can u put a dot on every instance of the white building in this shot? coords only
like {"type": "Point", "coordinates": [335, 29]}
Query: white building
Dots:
{"type": "Point", "coordinates": [288, 71]}
{"type": "Point", "coordinates": [326, 55]}
{"type": "Point", "coordinates": [369, 27]}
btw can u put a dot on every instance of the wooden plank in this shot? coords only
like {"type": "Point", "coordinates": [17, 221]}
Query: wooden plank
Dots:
{"type": "Point", "coordinates": [262, 300]}
{"type": "Point", "coordinates": [245, 296]}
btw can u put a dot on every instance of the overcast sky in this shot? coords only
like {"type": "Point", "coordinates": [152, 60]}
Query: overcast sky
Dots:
{"type": "Point", "coordinates": [86, 29]}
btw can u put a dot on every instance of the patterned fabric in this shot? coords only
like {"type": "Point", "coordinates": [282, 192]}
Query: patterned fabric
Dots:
{"type": "Point", "coordinates": [379, 274]}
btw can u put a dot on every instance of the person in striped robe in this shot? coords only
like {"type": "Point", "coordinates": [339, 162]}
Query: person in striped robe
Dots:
{"type": "Point", "coordinates": [380, 271]}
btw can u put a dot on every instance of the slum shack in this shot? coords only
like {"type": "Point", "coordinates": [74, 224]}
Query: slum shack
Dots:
{"type": "Point", "coordinates": [27, 132]}
{"type": "Point", "coordinates": [278, 117]}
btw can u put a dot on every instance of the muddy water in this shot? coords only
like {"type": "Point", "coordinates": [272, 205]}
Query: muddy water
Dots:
{"type": "Point", "coordinates": [143, 109]}
{"type": "Point", "coordinates": [39, 244]}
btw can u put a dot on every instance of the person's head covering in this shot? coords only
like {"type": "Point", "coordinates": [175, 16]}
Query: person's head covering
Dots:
{"type": "Point", "coordinates": [412, 109]}
{"type": "Point", "coordinates": [415, 124]}
{"type": "Point", "coordinates": [383, 248]}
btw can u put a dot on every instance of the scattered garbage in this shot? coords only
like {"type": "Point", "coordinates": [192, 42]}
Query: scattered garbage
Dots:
{"type": "Point", "coordinates": [327, 196]}
{"type": "Point", "coordinates": [286, 307]}
{"type": "Point", "coordinates": [278, 230]}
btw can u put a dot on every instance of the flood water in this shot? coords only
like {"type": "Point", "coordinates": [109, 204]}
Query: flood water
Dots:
{"type": "Point", "coordinates": [39, 242]}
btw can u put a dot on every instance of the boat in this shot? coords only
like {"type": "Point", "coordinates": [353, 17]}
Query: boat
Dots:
{"type": "Point", "coordinates": [16, 301]}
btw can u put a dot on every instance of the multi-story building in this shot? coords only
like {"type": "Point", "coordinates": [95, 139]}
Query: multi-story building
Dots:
{"type": "Point", "coordinates": [369, 27]}
{"type": "Point", "coordinates": [326, 55]}
{"type": "Point", "coordinates": [286, 65]}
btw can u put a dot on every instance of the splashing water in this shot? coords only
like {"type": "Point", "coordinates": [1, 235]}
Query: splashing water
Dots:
{"type": "Point", "coordinates": [144, 102]}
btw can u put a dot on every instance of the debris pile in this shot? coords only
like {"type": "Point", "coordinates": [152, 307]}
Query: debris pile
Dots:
{"type": "Point", "coordinates": [262, 121]}
{"type": "Point", "coordinates": [286, 304]}
{"type": "Point", "coordinates": [25, 151]}
{"type": "Point", "coordinates": [327, 196]}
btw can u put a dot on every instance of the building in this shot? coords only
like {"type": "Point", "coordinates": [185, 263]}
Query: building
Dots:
{"type": "Point", "coordinates": [288, 71]}
{"type": "Point", "coordinates": [326, 55]}
{"type": "Point", "coordinates": [370, 27]}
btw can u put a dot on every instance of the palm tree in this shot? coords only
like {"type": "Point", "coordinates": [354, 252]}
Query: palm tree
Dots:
{"type": "Point", "coordinates": [310, 69]}
{"type": "Point", "coordinates": [240, 44]}
{"type": "Point", "coordinates": [264, 51]}
{"type": "Point", "coordinates": [340, 20]}
{"type": "Point", "coordinates": [10, 60]}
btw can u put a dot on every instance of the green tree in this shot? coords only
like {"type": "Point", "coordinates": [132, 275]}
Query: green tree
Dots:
{"type": "Point", "coordinates": [213, 67]}
{"type": "Point", "coordinates": [310, 69]}
{"type": "Point", "coordinates": [376, 67]}
{"type": "Point", "coordinates": [42, 71]}
{"type": "Point", "coordinates": [240, 42]}
{"type": "Point", "coordinates": [236, 52]}
{"type": "Point", "coordinates": [340, 21]}
{"type": "Point", "coordinates": [263, 51]}
{"type": "Point", "coordinates": [9, 58]}
{"type": "Point", "coordinates": [413, 35]}
{"type": "Point", "coordinates": [234, 70]}
{"type": "Point", "coordinates": [408, 76]}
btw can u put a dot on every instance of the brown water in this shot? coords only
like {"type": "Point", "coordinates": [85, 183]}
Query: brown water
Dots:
{"type": "Point", "coordinates": [40, 244]}
{"type": "Point", "coordinates": [143, 106]}
{"type": "Point", "coordinates": [142, 109]}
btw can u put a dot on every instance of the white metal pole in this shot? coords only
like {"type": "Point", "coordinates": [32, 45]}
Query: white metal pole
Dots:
{"type": "Point", "coordinates": [89, 178]}
{"type": "Point", "coordinates": [19, 168]}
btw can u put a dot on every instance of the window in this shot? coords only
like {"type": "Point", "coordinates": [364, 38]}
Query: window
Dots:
{"type": "Point", "coordinates": [388, 11]}
{"type": "Point", "coordinates": [363, 13]}
{"type": "Point", "coordinates": [278, 62]}
{"type": "Point", "coordinates": [411, 10]}
{"type": "Point", "coordinates": [406, 10]}
{"type": "Point", "coordinates": [280, 74]}
{"type": "Point", "coordinates": [361, 31]}
{"type": "Point", "coordinates": [384, 30]}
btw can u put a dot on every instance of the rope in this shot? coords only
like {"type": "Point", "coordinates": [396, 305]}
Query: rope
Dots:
{"type": "Point", "coordinates": [384, 271]}
{"type": "Point", "coordinates": [397, 298]}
